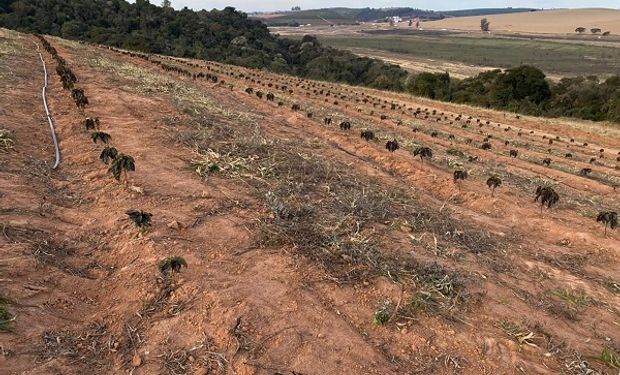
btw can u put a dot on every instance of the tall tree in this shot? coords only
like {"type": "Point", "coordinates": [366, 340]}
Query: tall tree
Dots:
{"type": "Point", "coordinates": [484, 24]}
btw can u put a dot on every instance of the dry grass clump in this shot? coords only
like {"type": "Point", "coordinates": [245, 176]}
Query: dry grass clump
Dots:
{"type": "Point", "coordinates": [6, 140]}
{"type": "Point", "coordinates": [89, 348]}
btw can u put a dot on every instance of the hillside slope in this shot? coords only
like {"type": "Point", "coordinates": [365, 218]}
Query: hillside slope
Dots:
{"type": "Point", "coordinates": [225, 35]}
{"type": "Point", "coordinates": [298, 234]}
{"type": "Point", "coordinates": [230, 37]}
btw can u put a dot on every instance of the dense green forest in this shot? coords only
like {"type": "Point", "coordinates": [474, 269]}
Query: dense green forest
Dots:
{"type": "Point", "coordinates": [371, 14]}
{"type": "Point", "coordinates": [344, 16]}
{"type": "Point", "coordinates": [221, 35]}
{"type": "Point", "coordinates": [231, 37]}
{"type": "Point", "coordinates": [524, 89]}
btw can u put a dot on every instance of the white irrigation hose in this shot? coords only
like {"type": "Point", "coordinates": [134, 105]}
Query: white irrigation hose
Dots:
{"type": "Point", "coordinates": [47, 111]}
{"type": "Point", "coordinates": [44, 67]}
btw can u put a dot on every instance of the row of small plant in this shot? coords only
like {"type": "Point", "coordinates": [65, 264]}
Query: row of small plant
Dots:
{"type": "Point", "coordinates": [545, 195]}
{"type": "Point", "coordinates": [323, 88]}
{"type": "Point", "coordinates": [121, 164]}
{"type": "Point", "coordinates": [486, 145]}
{"type": "Point", "coordinates": [383, 104]}
{"type": "Point", "coordinates": [142, 221]}
{"type": "Point", "coordinates": [426, 113]}
{"type": "Point", "coordinates": [67, 77]}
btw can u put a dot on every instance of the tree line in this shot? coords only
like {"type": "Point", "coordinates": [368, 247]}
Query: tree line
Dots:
{"type": "Point", "coordinates": [372, 14]}
{"type": "Point", "coordinates": [525, 89]}
{"type": "Point", "coordinates": [229, 36]}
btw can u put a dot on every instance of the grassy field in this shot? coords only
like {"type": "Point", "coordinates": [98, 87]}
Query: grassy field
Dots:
{"type": "Point", "coordinates": [554, 58]}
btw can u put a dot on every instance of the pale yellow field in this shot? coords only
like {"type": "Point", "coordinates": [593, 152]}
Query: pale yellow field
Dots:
{"type": "Point", "coordinates": [547, 21]}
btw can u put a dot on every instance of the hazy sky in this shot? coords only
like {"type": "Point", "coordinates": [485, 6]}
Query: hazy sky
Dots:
{"type": "Point", "coordinates": [254, 5]}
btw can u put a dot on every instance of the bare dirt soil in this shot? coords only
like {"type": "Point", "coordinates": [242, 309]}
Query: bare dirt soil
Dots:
{"type": "Point", "coordinates": [309, 249]}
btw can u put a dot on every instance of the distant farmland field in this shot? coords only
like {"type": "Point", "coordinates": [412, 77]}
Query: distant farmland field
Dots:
{"type": "Point", "coordinates": [546, 22]}
{"type": "Point", "coordinates": [552, 57]}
